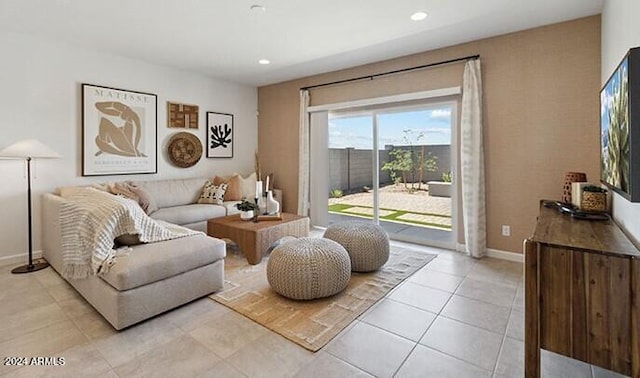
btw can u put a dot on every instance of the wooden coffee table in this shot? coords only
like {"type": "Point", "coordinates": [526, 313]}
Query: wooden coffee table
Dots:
{"type": "Point", "coordinates": [254, 238]}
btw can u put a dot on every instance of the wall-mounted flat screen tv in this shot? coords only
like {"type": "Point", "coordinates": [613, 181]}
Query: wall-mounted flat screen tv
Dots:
{"type": "Point", "coordinates": [620, 128]}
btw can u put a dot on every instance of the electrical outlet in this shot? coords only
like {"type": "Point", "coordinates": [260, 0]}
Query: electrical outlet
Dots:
{"type": "Point", "coordinates": [506, 230]}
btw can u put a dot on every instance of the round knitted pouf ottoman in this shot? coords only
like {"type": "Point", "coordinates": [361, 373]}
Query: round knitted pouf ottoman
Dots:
{"type": "Point", "coordinates": [308, 268]}
{"type": "Point", "coordinates": [367, 244]}
{"type": "Point", "coordinates": [276, 243]}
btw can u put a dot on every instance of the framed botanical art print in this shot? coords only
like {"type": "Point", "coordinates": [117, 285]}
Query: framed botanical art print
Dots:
{"type": "Point", "coordinates": [620, 128]}
{"type": "Point", "coordinates": [219, 135]}
{"type": "Point", "coordinates": [119, 131]}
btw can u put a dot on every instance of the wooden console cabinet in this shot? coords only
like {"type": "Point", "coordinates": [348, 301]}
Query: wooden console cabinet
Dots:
{"type": "Point", "coordinates": [582, 293]}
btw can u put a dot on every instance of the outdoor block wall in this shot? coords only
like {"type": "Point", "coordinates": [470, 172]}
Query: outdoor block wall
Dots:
{"type": "Point", "coordinates": [350, 168]}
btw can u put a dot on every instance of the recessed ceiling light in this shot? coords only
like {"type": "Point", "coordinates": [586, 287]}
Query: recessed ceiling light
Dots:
{"type": "Point", "coordinates": [258, 8]}
{"type": "Point", "coordinates": [419, 16]}
{"type": "Point", "coordinates": [264, 61]}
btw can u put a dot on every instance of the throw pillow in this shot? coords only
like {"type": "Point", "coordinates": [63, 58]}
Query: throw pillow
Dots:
{"type": "Point", "coordinates": [145, 200]}
{"type": "Point", "coordinates": [129, 190]}
{"type": "Point", "coordinates": [233, 192]}
{"type": "Point", "coordinates": [122, 189]}
{"type": "Point", "coordinates": [247, 185]}
{"type": "Point", "coordinates": [212, 193]}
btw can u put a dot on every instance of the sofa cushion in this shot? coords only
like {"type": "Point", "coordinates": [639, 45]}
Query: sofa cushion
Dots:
{"type": "Point", "coordinates": [231, 207]}
{"type": "Point", "coordinates": [148, 263]}
{"type": "Point", "coordinates": [247, 185]}
{"type": "Point", "coordinates": [167, 193]}
{"type": "Point", "coordinates": [189, 213]}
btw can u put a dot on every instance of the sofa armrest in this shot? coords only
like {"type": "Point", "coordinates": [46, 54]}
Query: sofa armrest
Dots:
{"type": "Point", "coordinates": [51, 236]}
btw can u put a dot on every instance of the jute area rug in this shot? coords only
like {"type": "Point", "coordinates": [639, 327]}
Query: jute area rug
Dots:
{"type": "Point", "coordinates": [311, 324]}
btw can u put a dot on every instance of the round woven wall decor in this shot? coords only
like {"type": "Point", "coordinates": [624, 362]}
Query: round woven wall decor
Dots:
{"type": "Point", "coordinates": [184, 149]}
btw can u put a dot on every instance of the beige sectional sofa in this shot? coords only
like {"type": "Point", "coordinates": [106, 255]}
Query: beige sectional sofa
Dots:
{"type": "Point", "coordinates": [177, 202]}
{"type": "Point", "coordinates": [156, 277]}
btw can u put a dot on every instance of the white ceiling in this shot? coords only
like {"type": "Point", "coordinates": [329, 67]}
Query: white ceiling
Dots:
{"type": "Point", "coordinates": [223, 38]}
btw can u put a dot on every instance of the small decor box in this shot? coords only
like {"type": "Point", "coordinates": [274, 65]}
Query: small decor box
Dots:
{"type": "Point", "coordinates": [594, 199]}
{"type": "Point", "coordinates": [576, 193]}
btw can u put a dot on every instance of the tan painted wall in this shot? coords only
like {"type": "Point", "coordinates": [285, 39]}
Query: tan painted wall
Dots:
{"type": "Point", "coordinates": [541, 103]}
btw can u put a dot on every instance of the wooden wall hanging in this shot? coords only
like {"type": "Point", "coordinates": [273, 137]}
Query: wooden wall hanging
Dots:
{"type": "Point", "coordinates": [182, 115]}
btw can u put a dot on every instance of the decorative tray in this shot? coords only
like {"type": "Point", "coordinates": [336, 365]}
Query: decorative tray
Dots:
{"type": "Point", "coordinates": [274, 217]}
{"type": "Point", "coordinates": [567, 208]}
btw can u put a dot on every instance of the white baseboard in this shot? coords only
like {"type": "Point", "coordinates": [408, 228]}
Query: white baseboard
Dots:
{"type": "Point", "coordinates": [497, 254]}
{"type": "Point", "coordinates": [21, 258]}
{"type": "Point", "coordinates": [504, 255]}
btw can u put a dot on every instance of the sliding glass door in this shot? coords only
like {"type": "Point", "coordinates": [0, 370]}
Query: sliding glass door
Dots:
{"type": "Point", "coordinates": [395, 166]}
{"type": "Point", "coordinates": [350, 162]}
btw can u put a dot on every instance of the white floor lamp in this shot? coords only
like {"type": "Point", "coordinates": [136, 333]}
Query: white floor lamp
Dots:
{"type": "Point", "coordinates": [28, 150]}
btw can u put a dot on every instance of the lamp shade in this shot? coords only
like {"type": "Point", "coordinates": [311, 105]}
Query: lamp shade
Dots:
{"type": "Point", "coordinates": [29, 148]}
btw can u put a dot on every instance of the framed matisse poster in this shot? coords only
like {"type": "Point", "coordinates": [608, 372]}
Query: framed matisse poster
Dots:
{"type": "Point", "coordinates": [119, 131]}
{"type": "Point", "coordinates": [219, 135]}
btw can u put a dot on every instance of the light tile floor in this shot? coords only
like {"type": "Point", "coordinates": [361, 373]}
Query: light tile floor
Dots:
{"type": "Point", "coordinates": [457, 317]}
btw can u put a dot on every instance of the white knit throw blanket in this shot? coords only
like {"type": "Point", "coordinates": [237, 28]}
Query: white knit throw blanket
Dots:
{"type": "Point", "coordinates": [91, 219]}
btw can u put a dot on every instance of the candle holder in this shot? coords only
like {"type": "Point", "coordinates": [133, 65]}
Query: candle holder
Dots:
{"type": "Point", "coordinates": [261, 203]}
{"type": "Point", "coordinates": [257, 212]}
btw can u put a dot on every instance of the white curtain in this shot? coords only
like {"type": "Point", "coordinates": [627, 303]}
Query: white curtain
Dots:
{"type": "Point", "coordinates": [473, 191]}
{"type": "Point", "coordinates": [319, 160]}
{"type": "Point", "coordinates": [303, 154]}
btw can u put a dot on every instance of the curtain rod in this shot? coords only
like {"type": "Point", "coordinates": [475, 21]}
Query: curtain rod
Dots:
{"type": "Point", "coordinates": [371, 77]}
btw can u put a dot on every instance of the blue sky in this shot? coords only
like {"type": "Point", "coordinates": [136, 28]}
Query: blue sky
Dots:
{"type": "Point", "coordinates": [434, 124]}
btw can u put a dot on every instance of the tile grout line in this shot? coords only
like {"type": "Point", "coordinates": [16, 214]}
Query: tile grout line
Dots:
{"type": "Point", "coordinates": [348, 363]}
{"type": "Point", "coordinates": [420, 338]}
{"type": "Point", "coordinates": [456, 358]}
{"type": "Point", "coordinates": [495, 363]}
{"type": "Point", "coordinates": [504, 337]}
{"type": "Point", "coordinates": [425, 331]}
{"type": "Point", "coordinates": [404, 360]}
{"type": "Point", "coordinates": [474, 326]}
{"type": "Point", "coordinates": [480, 300]}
